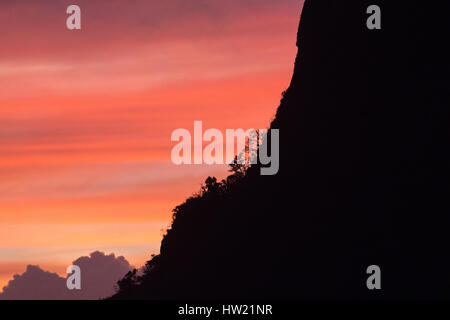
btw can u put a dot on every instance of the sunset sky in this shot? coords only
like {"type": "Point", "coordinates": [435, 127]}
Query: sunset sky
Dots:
{"type": "Point", "coordinates": [86, 115]}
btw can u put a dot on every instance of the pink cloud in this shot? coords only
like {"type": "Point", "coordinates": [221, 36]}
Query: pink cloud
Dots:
{"type": "Point", "coordinates": [99, 274]}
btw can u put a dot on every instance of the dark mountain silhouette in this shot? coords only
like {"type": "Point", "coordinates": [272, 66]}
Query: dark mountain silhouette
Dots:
{"type": "Point", "coordinates": [364, 174]}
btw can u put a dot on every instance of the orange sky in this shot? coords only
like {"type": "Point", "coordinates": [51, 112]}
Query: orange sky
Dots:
{"type": "Point", "coordinates": [86, 116]}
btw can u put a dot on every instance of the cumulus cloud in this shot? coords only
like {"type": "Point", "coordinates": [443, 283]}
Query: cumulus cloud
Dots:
{"type": "Point", "coordinates": [99, 274]}
{"type": "Point", "coordinates": [35, 284]}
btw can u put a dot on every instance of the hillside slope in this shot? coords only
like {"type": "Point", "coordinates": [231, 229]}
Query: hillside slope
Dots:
{"type": "Point", "coordinates": [364, 174]}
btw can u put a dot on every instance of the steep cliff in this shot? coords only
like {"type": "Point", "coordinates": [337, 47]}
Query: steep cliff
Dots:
{"type": "Point", "coordinates": [364, 174]}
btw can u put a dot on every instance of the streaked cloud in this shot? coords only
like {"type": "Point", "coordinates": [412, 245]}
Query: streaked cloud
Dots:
{"type": "Point", "coordinates": [86, 117]}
